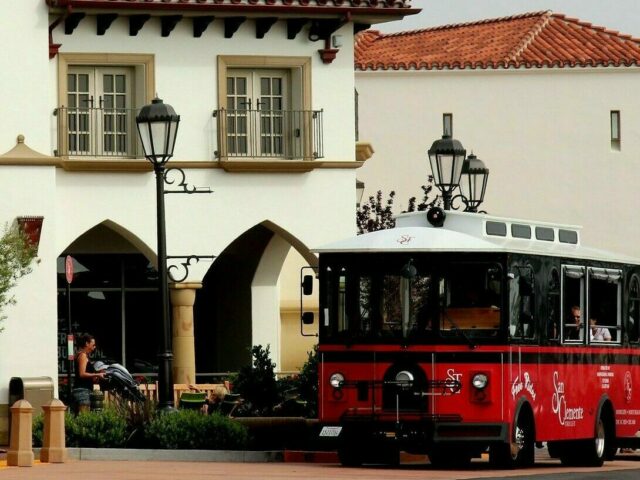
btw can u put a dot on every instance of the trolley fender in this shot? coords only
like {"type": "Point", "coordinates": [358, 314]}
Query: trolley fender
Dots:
{"type": "Point", "coordinates": [523, 402]}
{"type": "Point", "coordinates": [604, 399]}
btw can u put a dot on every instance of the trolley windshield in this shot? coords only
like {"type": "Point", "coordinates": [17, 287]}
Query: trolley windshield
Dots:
{"type": "Point", "coordinates": [395, 298]}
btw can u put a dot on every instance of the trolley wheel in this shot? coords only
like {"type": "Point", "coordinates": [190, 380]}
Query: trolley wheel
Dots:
{"type": "Point", "coordinates": [520, 452]}
{"type": "Point", "coordinates": [592, 452]}
{"type": "Point", "coordinates": [599, 448]}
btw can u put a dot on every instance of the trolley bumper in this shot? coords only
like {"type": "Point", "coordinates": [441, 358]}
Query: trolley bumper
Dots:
{"type": "Point", "coordinates": [413, 430]}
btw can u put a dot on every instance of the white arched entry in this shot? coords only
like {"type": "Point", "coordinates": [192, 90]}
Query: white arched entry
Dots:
{"type": "Point", "coordinates": [266, 299]}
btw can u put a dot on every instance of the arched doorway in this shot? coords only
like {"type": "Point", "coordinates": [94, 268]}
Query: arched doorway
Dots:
{"type": "Point", "coordinates": [239, 303]}
{"type": "Point", "coordinates": [114, 296]}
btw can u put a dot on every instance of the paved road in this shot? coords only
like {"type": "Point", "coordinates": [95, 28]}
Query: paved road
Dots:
{"type": "Point", "coordinates": [627, 468]}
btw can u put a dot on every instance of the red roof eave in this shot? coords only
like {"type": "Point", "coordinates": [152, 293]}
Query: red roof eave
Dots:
{"type": "Point", "coordinates": [202, 6]}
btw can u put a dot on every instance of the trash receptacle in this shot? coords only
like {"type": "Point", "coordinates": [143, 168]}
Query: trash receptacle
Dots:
{"type": "Point", "coordinates": [38, 391]}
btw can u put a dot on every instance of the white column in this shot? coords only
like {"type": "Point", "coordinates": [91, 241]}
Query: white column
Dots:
{"type": "Point", "coordinates": [265, 297]}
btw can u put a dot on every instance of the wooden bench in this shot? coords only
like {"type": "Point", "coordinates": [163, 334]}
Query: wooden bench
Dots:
{"type": "Point", "coordinates": [150, 390]}
{"type": "Point", "coordinates": [487, 318]}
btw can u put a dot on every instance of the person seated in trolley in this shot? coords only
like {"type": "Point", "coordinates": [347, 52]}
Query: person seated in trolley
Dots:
{"type": "Point", "coordinates": [573, 330]}
{"type": "Point", "coordinates": [598, 334]}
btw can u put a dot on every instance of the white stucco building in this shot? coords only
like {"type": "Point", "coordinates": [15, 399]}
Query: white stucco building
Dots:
{"type": "Point", "coordinates": [265, 90]}
{"type": "Point", "coordinates": [549, 103]}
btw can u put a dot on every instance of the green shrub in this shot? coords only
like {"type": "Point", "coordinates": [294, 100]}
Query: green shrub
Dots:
{"type": "Point", "coordinates": [103, 429]}
{"type": "Point", "coordinates": [137, 416]}
{"type": "Point", "coordinates": [307, 383]}
{"type": "Point", "coordinates": [37, 430]}
{"type": "Point", "coordinates": [257, 385]}
{"type": "Point", "coordinates": [190, 429]}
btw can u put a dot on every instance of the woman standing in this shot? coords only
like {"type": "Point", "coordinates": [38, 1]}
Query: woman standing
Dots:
{"type": "Point", "coordinates": [85, 375]}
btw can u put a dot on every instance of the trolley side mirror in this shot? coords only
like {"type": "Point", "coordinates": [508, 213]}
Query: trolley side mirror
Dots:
{"type": "Point", "coordinates": [307, 318]}
{"type": "Point", "coordinates": [307, 284]}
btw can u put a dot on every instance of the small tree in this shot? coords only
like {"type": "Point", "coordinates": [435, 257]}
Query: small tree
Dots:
{"type": "Point", "coordinates": [377, 214]}
{"type": "Point", "coordinates": [16, 255]}
{"type": "Point", "coordinates": [257, 384]}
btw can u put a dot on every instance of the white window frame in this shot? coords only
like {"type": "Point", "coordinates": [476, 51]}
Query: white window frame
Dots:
{"type": "Point", "coordinates": [615, 126]}
{"type": "Point", "coordinates": [143, 85]}
{"type": "Point", "coordinates": [95, 113]}
{"type": "Point", "coordinates": [613, 276]}
{"type": "Point", "coordinates": [299, 70]}
{"type": "Point", "coordinates": [572, 270]}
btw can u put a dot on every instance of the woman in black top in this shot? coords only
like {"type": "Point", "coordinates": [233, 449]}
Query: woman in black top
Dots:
{"type": "Point", "coordinates": [85, 375]}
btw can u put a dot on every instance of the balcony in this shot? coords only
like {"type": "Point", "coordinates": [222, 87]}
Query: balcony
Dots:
{"type": "Point", "coordinates": [97, 132]}
{"type": "Point", "coordinates": [241, 134]}
{"type": "Point", "coordinates": [269, 134]}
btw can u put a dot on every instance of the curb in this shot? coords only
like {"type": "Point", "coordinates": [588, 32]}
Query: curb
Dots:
{"type": "Point", "coordinates": [310, 457]}
{"type": "Point", "coordinates": [143, 455]}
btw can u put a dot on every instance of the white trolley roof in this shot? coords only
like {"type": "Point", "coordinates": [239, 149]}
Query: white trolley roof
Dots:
{"type": "Point", "coordinates": [472, 232]}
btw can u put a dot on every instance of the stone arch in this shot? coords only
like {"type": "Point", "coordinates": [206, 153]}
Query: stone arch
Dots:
{"type": "Point", "coordinates": [108, 235]}
{"type": "Point", "coordinates": [114, 296]}
{"type": "Point", "coordinates": [238, 306]}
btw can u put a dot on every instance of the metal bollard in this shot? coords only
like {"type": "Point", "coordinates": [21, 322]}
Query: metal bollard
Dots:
{"type": "Point", "coordinates": [20, 452]}
{"type": "Point", "coordinates": [53, 443]}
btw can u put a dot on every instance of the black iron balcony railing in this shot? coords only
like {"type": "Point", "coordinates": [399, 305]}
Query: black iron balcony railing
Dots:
{"type": "Point", "coordinates": [97, 132]}
{"type": "Point", "coordinates": [277, 134]}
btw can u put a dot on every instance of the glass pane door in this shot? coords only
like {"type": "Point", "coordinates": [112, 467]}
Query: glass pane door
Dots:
{"type": "Point", "coordinates": [116, 113]}
{"type": "Point", "coordinates": [271, 106]}
{"type": "Point", "coordinates": [256, 116]}
{"type": "Point", "coordinates": [238, 110]}
{"type": "Point", "coordinates": [100, 117]}
{"type": "Point", "coordinates": [80, 89]}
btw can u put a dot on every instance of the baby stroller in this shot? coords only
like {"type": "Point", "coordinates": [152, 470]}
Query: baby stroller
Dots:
{"type": "Point", "coordinates": [119, 380]}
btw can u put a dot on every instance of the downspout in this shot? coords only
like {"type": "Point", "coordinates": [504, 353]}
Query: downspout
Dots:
{"type": "Point", "coordinates": [54, 47]}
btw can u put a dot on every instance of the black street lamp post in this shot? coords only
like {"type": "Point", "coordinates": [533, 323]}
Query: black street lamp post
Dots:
{"type": "Point", "coordinates": [447, 157]}
{"type": "Point", "coordinates": [157, 127]}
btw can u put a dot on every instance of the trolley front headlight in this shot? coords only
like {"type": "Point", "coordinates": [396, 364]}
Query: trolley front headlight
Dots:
{"type": "Point", "coordinates": [336, 380]}
{"type": "Point", "coordinates": [404, 379]}
{"type": "Point", "coordinates": [480, 381]}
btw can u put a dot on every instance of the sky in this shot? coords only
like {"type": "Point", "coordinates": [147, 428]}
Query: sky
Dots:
{"type": "Point", "coordinates": [621, 15]}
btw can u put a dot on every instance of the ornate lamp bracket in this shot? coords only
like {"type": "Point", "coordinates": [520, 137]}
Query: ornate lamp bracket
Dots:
{"type": "Point", "coordinates": [184, 266]}
{"type": "Point", "coordinates": [181, 181]}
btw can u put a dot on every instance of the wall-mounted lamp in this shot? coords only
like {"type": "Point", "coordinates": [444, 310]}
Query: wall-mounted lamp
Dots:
{"type": "Point", "coordinates": [336, 41]}
{"type": "Point", "coordinates": [31, 227]}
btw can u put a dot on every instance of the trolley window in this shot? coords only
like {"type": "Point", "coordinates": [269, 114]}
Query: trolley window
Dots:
{"type": "Point", "coordinates": [634, 309]}
{"type": "Point", "coordinates": [520, 231]}
{"type": "Point", "coordinates": [521, 303]}
{"type": "Point", "coordinates": [604, 318]}
{"type": "Point", "coordinates": [573, 300]}
{"type": "Point", "coordinates": [371, 303]}
{"type": "Point", "coordinates": [470, 299]}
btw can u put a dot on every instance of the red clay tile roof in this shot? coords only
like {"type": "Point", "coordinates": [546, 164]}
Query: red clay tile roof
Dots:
{"type": "Point", "coordinates": [384, 6]}
{"type": "Point", "coordinates": [539, 39]}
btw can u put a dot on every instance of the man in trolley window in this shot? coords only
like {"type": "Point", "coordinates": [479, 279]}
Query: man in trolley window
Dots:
{"type": "Point", "coordinates": [574, 330]}
{"type": "Point", "coordinates": [598, 334]}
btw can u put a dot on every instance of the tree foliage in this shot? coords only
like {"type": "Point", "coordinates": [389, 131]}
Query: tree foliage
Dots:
{"type": "Point", "coordinates": [16, 255]}
{"type": "Point", "coordinates": [257, 384]}
{"type": "Point", "coordinates": [377, 213]}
